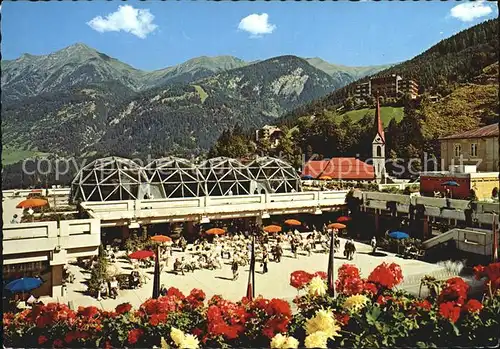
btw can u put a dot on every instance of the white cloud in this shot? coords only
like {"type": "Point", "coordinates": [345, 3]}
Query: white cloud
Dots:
{"type": "Point", "coordinates": [138, 22]}
{"type": "Point", "coordinates": [471, 10]}
{"type": "Point", "coordinates": [257, 24]}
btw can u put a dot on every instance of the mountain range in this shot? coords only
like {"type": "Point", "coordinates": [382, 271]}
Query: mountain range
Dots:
{"type": "Point", "coordinates": [78, 101]}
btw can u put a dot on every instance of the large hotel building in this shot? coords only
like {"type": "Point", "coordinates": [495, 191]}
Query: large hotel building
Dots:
{"type": "Point", "coordinates": [388, 86]}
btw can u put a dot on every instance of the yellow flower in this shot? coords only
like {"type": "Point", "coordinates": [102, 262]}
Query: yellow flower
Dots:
{"type": "Point", "coordinates": [278, 341]}
{"type": "Point", "coordinates": [356, 302]}
{"type": "Point", "coordinates": [190, 342]}
{"type": "Point", "coordinates": [177, 336]}
{"type": "Point", "coordinates": [291, 343]}
{"type": "Point", "coordinates": [324, 322]}
{"type": "Point", "coordinates": [316, 287]}
{"type": "Point", "coordinates": [316, 340]}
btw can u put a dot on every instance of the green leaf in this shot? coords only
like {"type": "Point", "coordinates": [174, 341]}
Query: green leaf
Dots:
{"type": "Point", "coordinates": [372, 316]}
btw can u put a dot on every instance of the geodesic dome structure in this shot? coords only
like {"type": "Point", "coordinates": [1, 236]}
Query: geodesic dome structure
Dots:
{"type": "Point", "coordinates": [108, 179]}
{"type": "Point", "coordinates": [274, 175]}
{"type": "Point", "coordinates": [173, 177]}
{"type": "Point", "coordinates": [225, 176]}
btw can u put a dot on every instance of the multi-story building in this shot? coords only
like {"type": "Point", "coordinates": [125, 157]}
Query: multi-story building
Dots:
{"type": "Point", "coordinates": [408, 86]}
{"type": "Point", "coordinates": [391, 86]}
{"type": "Point", "coordinates": [477, 147]}
{"type": "Point", "coordinates": [363, 89]}
{"type": "Point", "coordinates": [470, 159]}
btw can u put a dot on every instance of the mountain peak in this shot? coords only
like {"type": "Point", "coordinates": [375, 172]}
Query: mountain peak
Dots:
{"type": "Point", "coordinates": [78, 47]}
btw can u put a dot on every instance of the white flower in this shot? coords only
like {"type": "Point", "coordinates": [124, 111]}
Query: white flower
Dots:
{"type": "Point", "coordinates": [317, 286]}
{"type": "Point", "coordinates": [278, 341]}
{"type": "Point", "coordinates": [291, 343]}
{"type": "Point", "coordinates": [316, 340]}
{"type": "Point", "coordinates": [324, 322]}
{"type": "Point", "coordinates": [190, 342]}
{"type": "Point", "coordinates": [177, 336]}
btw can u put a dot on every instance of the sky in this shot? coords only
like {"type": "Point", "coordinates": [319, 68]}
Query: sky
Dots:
{"type": "Point", "coordinates": [154, 35]}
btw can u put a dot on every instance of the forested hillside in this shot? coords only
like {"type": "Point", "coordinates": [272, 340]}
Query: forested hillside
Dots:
{"type": "Point", "coordinates": [461, 71]}
{"type": "Point", "coordinates": [458, 59]}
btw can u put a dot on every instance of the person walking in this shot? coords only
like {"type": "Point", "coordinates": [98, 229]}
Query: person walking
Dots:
{"type": "Point", "coordinates": [15, 219]}
{"type": "Point", "coordinates": [234, 268]}
{"type": "Point", "coordinates": [265, 260]}
{"type": "Point", "coordinates": [373, 244]}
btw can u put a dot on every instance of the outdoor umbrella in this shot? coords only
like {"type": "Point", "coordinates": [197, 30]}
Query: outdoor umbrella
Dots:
{"type": "Point", "coordinates": [307, 177]}
{"type": "Point", "coordinates": [336, 226]}
{"type": "Point", "coordinates": [343, 219]}
{"type": "Point", "coordinates": [161, 238]}
{"type": "Point", "coordinates": [272, 229]}
{"type": "Point", "coordinates": [292, 222]}
{"type": "Point", "coordinates": [156, 280]}
{"type": "Point", "coordinates": [30, 203]}
{"type": "Point", "coordinates": [23, 284]}
{"type": "Point", "coordinates": [143, 254]}
{"type": "Point", "coordinates": [399, 235]}
{"type": "Point", "coordinates": [450, 184]}
{"type": "Point", "coordinates": [215, 231]}
{"type": "Point", "coordinates": [325, 178]}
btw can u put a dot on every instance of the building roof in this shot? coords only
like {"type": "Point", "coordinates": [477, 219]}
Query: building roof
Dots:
{"type": "Point", "coordinates": [483, 132]}
{"type": "Point", "coordinates": [378, 122]}
{"type": "Point", "coordinates": [339, 168]}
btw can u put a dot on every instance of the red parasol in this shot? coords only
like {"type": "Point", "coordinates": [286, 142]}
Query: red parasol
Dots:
{"type": "Point", "coordinates": [292, 222]}
{"type": "Point", "coordinates": [272, 229]}
{"type": "Point", "coordinates": [161, 238]}
{"type": "Point", "coordinates": [143, 254]}
{"type": "Point", "coordinates": [30, 203]}
{"type": "Point", "coordinates": [336, 226]}
{"type": "Point", "coordinates": [343, 219]}
{"type": "Point", "coordinates": [215, 231]}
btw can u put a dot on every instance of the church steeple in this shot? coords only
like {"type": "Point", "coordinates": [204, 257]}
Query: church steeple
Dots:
{"type": "Point", "coordinates": [378, 146]}
{"type": "Point", "coordinates": [378, 122]}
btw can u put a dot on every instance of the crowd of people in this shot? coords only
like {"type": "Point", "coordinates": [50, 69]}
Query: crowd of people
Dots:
{"type": "Point", "coordinates": [236, 249]}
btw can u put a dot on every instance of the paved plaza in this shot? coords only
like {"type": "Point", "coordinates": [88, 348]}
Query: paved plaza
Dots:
{"type": "Point", "coordinates": [274, 284]}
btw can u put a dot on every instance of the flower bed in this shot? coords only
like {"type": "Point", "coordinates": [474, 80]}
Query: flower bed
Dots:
{"type": "Point", "coordinates": [366, 312]}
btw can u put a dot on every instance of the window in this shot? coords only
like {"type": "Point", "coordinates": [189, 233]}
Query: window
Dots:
{"type": "Point", "coordinates": [473, 150]}
{"type": "Point", "coordinates": [458, 150]}
{"type": "Point", "coordinates": [379, 150]}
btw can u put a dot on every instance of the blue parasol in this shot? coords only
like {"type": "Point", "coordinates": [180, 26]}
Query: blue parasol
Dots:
{"type": "Point", "coordinates": [399, 235]}
{"type": "Point", "coordinates": [450, 184]}
{"type": "Point", "coordinates": [23, 285]}
{"type": "Point", "coordinates": [307, 177]}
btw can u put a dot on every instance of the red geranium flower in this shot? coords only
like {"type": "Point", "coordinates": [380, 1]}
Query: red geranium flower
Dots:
{"type": "Point", "coordinates": [300, 278]}
{"type": "Point", "coordinates": [479, 272]}
{"type": "Point", "coordinates": [134, 335]}
{"type": "Point", "coordinates": [174, 292]}
{"type": "Point", "coordinates": [473, 306]}
{"type": "Point", "coordinates": [382, 300]}
{"type": "Point", "coordinates": [123, 308]}
{"type": "Point", "coordinates": [449, 311]}
{"type": "Point", "coordinates": [88, 312]}
{"type": "Point", "coordinates": [386, 275]}
{"type": "Point", "coordinates": [425, 305]}
{"type": "Point", "coordinates": [198, 294]}
{"type": "Point", "coordinates": [455, 290]}
{"type": "Point", "coordinates": [321, 274]}
{"type": "Point", "coordinates": [157, 319]}
{"type": "Point", "coordinates": [42, 340]}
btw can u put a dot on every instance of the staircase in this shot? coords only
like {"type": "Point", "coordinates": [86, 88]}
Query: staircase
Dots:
{"type": "Point", "coordinates": [469, 240]}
